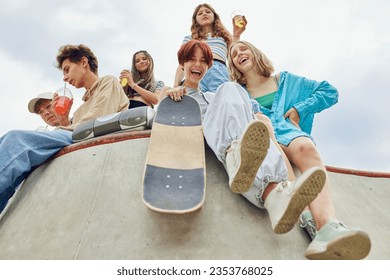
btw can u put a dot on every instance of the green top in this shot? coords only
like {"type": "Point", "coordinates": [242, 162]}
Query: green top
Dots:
{"type": "Point", "coordinates": [266, 100]}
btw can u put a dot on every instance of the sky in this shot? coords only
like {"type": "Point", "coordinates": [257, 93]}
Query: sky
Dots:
{"type": "Point", "coordinates": [345, 42]}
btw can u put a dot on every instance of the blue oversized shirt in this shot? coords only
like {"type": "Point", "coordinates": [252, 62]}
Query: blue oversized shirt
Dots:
{"type": "Point", "coordinates": [307, 97]}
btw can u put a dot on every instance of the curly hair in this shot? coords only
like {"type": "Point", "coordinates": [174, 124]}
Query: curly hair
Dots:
{"type": "Point", "coordinates": [75, 54]}
{"type": "Point", "coordinates": [219, 29]}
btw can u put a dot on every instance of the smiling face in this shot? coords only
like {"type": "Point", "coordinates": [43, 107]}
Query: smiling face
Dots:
{"type": "Point", "coordinates": [242, 58]}
{"type": "Point", "coordinates": [195, 68]}
{"type": "Point", "coordinates": [141, 62]}
{"type": "Point", "coordinates": [195, 58]}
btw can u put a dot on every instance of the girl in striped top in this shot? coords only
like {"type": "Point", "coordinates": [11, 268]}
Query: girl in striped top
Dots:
{"type": "Point", "coordinates": [207, 26]}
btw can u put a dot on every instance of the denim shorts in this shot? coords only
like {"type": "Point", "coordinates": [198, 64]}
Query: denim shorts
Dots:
{"type": "Point", "coordinates": [215, 76]}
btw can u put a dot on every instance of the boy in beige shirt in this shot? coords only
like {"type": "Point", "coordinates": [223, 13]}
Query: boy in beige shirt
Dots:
{"type": "Point", "coordinates": [21, 151]}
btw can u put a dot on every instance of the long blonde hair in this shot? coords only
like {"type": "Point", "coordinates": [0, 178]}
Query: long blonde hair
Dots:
{"type": "Point", "coordinates": [219, 29]}
{"type": "Point", "coordinates": [262, 64]}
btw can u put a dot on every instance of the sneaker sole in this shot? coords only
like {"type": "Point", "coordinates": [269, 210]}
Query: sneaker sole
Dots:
{"type": "Point", "coordinates": [254, 148]}
{"type": "Point", "coordinates": [353, 246]}
{"type": "Point", "coordinates": [303, 196]}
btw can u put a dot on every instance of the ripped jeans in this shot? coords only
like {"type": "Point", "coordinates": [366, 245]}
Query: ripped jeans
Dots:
{"type": "Point", "coordinates": [227, 116]}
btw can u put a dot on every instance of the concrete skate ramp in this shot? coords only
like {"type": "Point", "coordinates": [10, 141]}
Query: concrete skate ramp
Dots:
{"type": "Point", "coordinates": [86, 204]}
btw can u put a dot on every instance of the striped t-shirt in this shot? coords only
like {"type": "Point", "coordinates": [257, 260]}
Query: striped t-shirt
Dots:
{"type": "Point", "coordinates": [217, 45]}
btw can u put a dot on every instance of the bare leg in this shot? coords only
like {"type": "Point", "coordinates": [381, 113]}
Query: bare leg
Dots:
{"type": "Point", "coordinates": [268, 123]}
{"type": "Point", "coordinates": [303, 153]}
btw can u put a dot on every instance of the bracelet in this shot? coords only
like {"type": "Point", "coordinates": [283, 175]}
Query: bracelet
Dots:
{"type": "Point", "coordinates": [133, 86]}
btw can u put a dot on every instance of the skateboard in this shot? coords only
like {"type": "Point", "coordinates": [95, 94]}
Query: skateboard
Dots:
{"type": "Point", "coordinates": [174, 176]}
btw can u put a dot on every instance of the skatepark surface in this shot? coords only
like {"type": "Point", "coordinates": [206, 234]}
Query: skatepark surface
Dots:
{"type": "Point", "coordinates": [86, 204]}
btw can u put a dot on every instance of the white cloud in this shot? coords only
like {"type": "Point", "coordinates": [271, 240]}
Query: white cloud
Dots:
{"type": "Point", "coordinates": [20, 83]}
{"type": "Point", "coordinates": [346, 42]}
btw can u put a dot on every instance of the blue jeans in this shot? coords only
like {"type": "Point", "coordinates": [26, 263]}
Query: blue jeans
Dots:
{"type": "Point", "coordinates": [215, 76]}
{"type": "Point", "coordinates": [21, 150]}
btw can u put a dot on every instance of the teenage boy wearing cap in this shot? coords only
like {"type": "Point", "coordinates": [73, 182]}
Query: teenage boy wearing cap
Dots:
{"type": "Point", "coordinates": [21, 151]}
{"type": "Point", "coordinates": [42, 105]}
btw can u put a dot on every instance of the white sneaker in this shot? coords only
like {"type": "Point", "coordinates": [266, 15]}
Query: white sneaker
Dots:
{"type": "Point", "coordinates": [244, 156]}
{"type": "Point", "coordinates": [288, 199]}
{"type": "Point", "coordinates": [335, 241]}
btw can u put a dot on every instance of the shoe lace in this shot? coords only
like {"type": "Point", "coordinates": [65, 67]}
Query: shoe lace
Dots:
{"type": "Point", "coordinates": [338, 224]}
{"type": "Point", "coordinates": [285, 187]}
{"type": "Point", "coordinates": [309, 225]}
{"type": "Point", "coordinates": [232, 147]}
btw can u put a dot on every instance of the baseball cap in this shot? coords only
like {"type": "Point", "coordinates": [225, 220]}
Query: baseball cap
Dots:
{"type": "Point", "coordinates": [44, 95]}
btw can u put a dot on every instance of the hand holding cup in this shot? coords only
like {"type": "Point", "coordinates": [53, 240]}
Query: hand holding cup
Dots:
{"type": "Point", "coordinates": [62, 101]}
{"type": "Point", "coordinates": [125, 78]}
{"type": "Point", "coordinates": [238, 19]}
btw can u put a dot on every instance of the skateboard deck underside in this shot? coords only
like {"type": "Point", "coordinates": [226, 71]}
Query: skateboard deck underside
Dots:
{"type": "Point", "coordinates": [174, 179]}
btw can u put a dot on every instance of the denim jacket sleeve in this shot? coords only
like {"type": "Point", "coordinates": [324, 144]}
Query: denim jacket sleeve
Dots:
{"type": "Point", "coordinates": [307, 96]}
{"type": "Point", "coordinates": [322, 96]}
